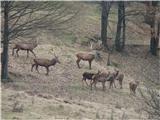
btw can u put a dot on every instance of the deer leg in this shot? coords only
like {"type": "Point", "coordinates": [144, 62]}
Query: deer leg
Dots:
{"type": "Point", "coordinates": [37, 68]}
{"type": "Point", "coordinates": [33, 53]}
{"type": "Point", "coordinates": [114, 83]}
{"type": "Point", "coordinates": [131, 91]}
{"type": "Point", "coordinates": [134, 90]}
{"type": "Point", "coordinates": [90, 82]}
{"type": "Point", "coordinates": [78, 61]}
{"type": "Point", "coordinates": [89, 64]}
{"type": "Point", "coordinates": [91, 86]}
{"type": "Point", "coordinates": [120, 82]}
{"type": "Point", "coordinates": [32, 67]}
{"type": "Point", "coordinates": [110, 84]}
{"type": "Point", "coordinates": [13, 51]}
{"type": "Point", "coordinates": [27, 53]}
{"type": "Point", "coordinates": [17, 52]}
{"type": "Point", "coordinates": [86, 83]}
{"type": "Point", "coordinates": [95, 85]}
{"type": "Point", "coordinates": [103, 85]}
{"type": "Point", "coordinates": [47, 70]}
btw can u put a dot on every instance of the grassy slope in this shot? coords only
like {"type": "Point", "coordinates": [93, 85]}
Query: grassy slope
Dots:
{"type": "Point", "coordinates": [64, 81]}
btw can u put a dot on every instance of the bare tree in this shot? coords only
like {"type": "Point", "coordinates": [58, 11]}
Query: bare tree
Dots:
{"type": "Point", "coordinates": [120, 35]}
{"type": "Point", "coordinates": [150, 19]}
{"type": "Point", "coordinates": [151, 98]}
{"type": "Point", "coordinates": [22, 19]}
{"type": "Point", "coordinates": [106, 5]}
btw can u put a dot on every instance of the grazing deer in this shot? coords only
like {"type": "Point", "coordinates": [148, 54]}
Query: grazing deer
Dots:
{"type": "Point", "coordinates": [25, 46]}
{"type": "Point", "coordinates": [45, 63]}
{"type": "Point", "coordinates": [85, 57]}
{"type": "Point", "coordinates": [103, 77]}
{"type": "Point", "coordinates": [132, 86]}
{"type": "Point", "coordinates": [99, 77]}
{"type": "Point", "coordinates": [87, 76]}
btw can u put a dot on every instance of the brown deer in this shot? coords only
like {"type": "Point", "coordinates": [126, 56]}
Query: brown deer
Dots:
{"type": "Point", "coordinates": [25, 46]}
{"type": "Point", "coordinates": [85, 57]}
{"type": "Point", "coordinates": [133, 86]}
{"type": "Point", "coordinates": [103, 77]}
{"type": "Point", "coordinates": [87, 76]}
{"type": "Point", "coordinates": [120, 78]}
{"type": "Point", "coordinates": [45, 63]}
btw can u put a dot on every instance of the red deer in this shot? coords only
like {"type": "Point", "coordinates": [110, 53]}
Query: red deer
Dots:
{"type": "Point", "coordinates": [103, 77]}
{"type": "Point", "coordinates": [132, 86]}
{"type": "Point", "coordinates": [85, 57]}
{"type": "Point", "coordinates": [120, 78]}
{"type": "Point", "coordinates": [25, 46]}
{"type": "Point", "coordinates": [45, 63]}
{"type": "Point", "coordinates": [87, 76]}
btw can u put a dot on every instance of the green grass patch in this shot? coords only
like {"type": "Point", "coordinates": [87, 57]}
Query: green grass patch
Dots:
{"type": "Point", "coordinates": [69, 38]}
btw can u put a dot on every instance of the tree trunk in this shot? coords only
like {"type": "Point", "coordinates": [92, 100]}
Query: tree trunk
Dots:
{"type": "Point", "coordinates": [4, 72]}
{"type": "Point", "coordinates": [120, 35]}
{"type": "Point", "coordinates": [124, 27]}
{"type": "Point", "coordinates": [151, 20]}
{"type": "Point", "coordinates": [154, 40]}
{"type": "Point", "coordinates": [104, 22]}
{"type": "Point", "coordinates": [108, 60]}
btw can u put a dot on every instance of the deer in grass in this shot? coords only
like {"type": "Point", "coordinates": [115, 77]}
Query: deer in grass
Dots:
{"type": "Point", "coordinates": [86, 57]}
{"type": "Point", "coordinates": [25, 46]}
{"type": "Point", "coordinates": [103, 77]}
{"type": "Point", "coordinates": [45, 63]}
{"type": "Point", "coordinates": [120, 78]}
{"type": "Point", "coordinates": [133, 86]}
{"type": "Point", "coordinates": [87, 76]}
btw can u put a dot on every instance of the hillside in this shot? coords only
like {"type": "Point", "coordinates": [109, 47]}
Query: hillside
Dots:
{"type": "Point", "coordinates": [64, 83]}
{"type": "Point", "coordinates": [61, 94]}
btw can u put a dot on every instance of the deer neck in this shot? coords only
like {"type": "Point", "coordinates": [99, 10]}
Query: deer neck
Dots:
{"type": "Point", "coordinates": [53, 62]}
{"type": "Point", "coordinates": [35, 45]}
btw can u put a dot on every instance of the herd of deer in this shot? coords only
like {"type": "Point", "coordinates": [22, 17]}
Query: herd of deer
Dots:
{"type": "Point", "coordinates": [100, 76]}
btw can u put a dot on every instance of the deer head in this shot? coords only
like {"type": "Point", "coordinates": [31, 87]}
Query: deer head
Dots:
{"type": "Point", "coordinates": [116, 72]}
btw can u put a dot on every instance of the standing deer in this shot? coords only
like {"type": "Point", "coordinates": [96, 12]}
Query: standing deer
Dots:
{"type": "Point", "coordinates": [25, 46]}
{"type": "Point", "coordinates": [133, 86]}
{"type": "Point", "coordinates": [87, 76]}
{"type": "Point", "coordinates": [103, 77]}
{"type": "Point", "coordinates": [45, 63]}
{"type": "Point", "coordinates": [86, 57]}
{"type": "Point", "coordinates": [120, 78]}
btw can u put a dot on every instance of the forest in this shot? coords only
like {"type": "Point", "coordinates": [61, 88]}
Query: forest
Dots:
{"type": "Point", "coordinates": [80, 60]}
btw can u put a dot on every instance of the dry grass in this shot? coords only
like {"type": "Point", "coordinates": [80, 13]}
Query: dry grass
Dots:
{"type": "Point", "coordinates": [64, 82]}
{"type": "Point", "coordinates": [61, 94]}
